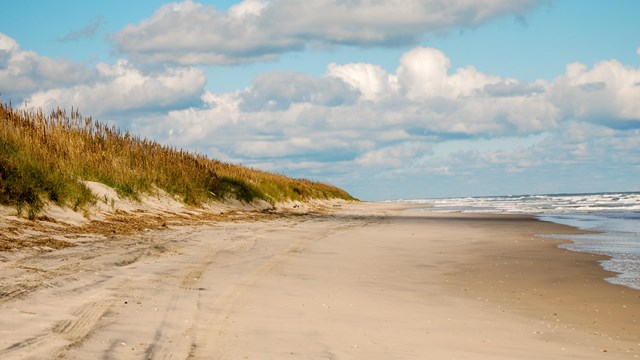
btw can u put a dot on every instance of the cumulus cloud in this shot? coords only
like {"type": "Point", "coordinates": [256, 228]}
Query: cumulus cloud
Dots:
{"type": "Point", "coordinates": [358, 118]}
{"type": "Point", "coordinates": [255, 30]}
{"type": "Point", "coordinates": [103, 90]}
{"type": "Point", "coordinates": [24, 72]}
{"type": "Point", "coordinates": [370, 80]}
{"type": "Point", "coordinates": [608, 94]}
{"type": "Point", "coordinates": [577, 156]}
{"type": "Point", "coordinates": [358, 113]}
{"type": "Point", "coordinates": [394, 155]}
{"type": "Point", "coordinates": [123, 87]}
{"type": "Point", "coordinates": [277, 91]}
{"type": "Point", "coordinates": [424, 73]}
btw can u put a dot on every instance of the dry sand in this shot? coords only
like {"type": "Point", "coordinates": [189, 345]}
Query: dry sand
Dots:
{"type": "Point", "coordinates": [363, 281]}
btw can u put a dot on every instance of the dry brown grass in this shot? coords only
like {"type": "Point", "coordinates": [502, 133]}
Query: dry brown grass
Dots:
{"type": "Point", "coordinates": [44, 157]}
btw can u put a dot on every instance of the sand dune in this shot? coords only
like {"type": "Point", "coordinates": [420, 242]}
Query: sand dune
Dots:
{"type": "Point", "coordinates": [363, 281]}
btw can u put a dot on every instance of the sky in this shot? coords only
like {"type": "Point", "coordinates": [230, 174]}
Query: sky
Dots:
{"type": "Point", "coordinates": [387, 99]}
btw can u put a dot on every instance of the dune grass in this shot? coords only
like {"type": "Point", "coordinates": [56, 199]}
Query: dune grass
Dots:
{"type": "Point", "coordinates": [45, 157]}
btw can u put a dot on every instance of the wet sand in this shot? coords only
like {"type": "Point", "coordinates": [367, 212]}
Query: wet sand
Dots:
{"type": "Point", "coordinates": [363, 281]}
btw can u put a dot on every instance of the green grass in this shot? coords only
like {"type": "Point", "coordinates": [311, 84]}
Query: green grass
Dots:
{"type": "Point", "coordinates": [44, 158]}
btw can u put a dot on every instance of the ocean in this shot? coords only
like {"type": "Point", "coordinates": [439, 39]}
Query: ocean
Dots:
{"type": "Point", "coordinates": [615, 216]}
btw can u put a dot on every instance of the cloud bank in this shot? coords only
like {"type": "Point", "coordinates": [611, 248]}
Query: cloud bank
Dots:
{"type": "Point", "coordinates": [190, 33]}
{"type": "Point", "coordinates": [358, 119]}
{"type": "Point", "coordinates": [359, 122]}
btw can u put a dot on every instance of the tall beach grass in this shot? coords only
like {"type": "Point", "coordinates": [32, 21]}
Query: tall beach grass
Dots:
{"type": "Point", "coordinates": [45, 157]}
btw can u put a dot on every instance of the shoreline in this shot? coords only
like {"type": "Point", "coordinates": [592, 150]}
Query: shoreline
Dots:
{"type": "Point", "coordinates": [567, 238]}
{"type": "Point", "coordinates": [360, 280]}
{"type": "Point", "coordinates": [546, 282]}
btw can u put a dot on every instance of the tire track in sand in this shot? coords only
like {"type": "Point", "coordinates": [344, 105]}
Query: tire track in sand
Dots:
{"type": "Point", "coordinates": [211, 340]}
{"type": "Point", "coordinates": [173, 339]}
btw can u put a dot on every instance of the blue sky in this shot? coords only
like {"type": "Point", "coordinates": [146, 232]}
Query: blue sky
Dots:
{"type": "Point", "coordinates": [387, 99]}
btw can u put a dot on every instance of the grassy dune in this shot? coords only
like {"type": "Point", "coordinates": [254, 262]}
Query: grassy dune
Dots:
{"type": "Point", "coordinates": [44, 157]}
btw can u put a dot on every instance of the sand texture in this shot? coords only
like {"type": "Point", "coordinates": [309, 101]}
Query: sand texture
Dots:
{"type": "Point", "coordinates": [358, 281]}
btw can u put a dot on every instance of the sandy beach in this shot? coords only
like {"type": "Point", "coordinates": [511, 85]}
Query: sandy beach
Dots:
{"type": "Point", "coordinates": [357, 281]}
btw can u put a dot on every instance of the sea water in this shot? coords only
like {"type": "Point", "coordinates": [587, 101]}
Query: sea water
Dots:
{"type": "Point", "coordinates": [615, 217]}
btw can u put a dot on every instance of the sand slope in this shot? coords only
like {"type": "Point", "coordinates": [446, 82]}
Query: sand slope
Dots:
{"type": "Point", "coordinates": [365, 281]}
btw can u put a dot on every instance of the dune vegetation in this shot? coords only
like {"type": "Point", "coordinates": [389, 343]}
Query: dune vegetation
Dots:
{"type": "Point", "coordinates": [45, 157]}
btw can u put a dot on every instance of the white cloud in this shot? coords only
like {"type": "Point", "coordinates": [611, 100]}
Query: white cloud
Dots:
{"type": "Point", "coordinates": [192, 33]}
{"type": "Point", "coordinates": [370, 80]}
{"type": "Point", "coordinates": [247, 8]}
{"type": "Point", "coordinates": [101, 91]}
{"type": "Point", "coordinates": [24, 72]}
{"type": "Point", "coordinates": [358, 113]}
{"type": "Point", "coordinates": [357, 120]}
{"type": "Point", "coordinates": [277, 91]}
{"type": "Point", "coordinates": [423, 73]}
{"type": "Point", "coordinates": [123, 87]}
{"type": "Point", "coordinates": [8, 44]}
{"type": "Point", "coordinates": [196, 127]}
{"type": "Point", "coordinates": [581, 145]}
{"type": "Point", "coordinates": [395, 155]}
{"type": "Point", "coordinates": [609, 94]}
{"type": "Point", "coordinates": [358, 117]}
{"type": "Point", "coordinates": [255, 30]}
